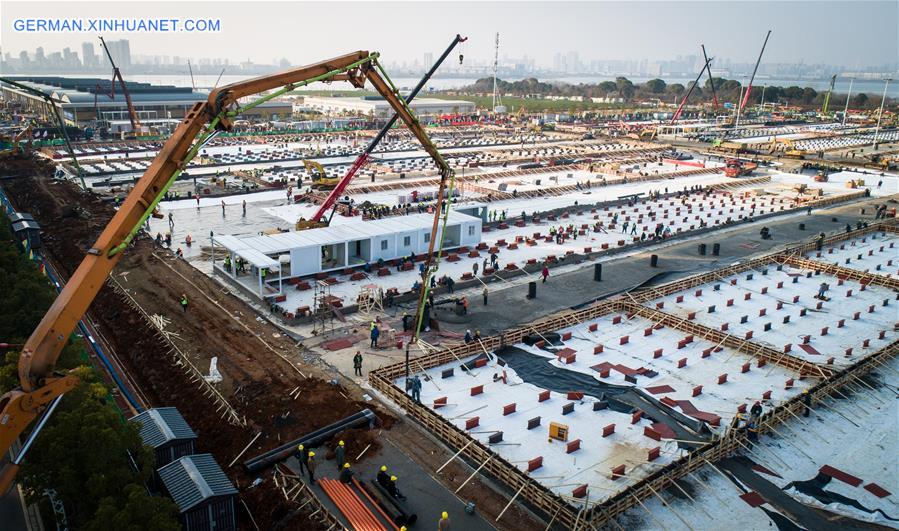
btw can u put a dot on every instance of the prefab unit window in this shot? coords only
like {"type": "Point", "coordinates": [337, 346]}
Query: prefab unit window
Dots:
{"type": "Point", "coordinates": [471, 230]}
{"type": "Point", "coordinates": [407, 241]}
{"type": "Point", "coordinates": [427, 237]}
{"type": "Point", "coordinates": [383, 245]}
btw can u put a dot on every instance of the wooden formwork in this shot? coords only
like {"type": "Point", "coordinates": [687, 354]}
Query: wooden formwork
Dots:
{"type": "Point", "coordinates": [885, 225]}
{"type": "Point", "coordinates": [732, 441]}
{"type": "Point", "coordinates": [744, 346]}
{"type": "Point", "coordinates": [840, 271]}
{"type": "Point", "coordinates": [647, 294]}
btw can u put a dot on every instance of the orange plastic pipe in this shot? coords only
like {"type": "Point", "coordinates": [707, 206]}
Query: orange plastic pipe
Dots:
{"type": "Point", "coordinates": [376, 506]}
{"type": "Point", "coordinates": [361, 509]}
{"type": "Point", "coordinates": [338, 501]}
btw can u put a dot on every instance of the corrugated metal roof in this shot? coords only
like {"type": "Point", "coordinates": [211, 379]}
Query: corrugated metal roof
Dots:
{"type": "Point", "coordinates": [162, 425]}
{"type": "Point", "coordinates": [193, 479]}
{"type": "Point", "coordinates": [25, 224]}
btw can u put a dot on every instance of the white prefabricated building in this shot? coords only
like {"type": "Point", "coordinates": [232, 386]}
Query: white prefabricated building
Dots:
{"type": "Point", "coordinates": [354, 243]}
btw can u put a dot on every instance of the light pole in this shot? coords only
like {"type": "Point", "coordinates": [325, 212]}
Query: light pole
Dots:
{"type": "Point", "coordinates": [880, 114]}
{"type": "Point", "coordinates": [846, 109]}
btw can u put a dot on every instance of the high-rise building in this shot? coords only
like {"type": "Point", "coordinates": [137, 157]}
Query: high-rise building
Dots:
{"type": "Point", "coordinates": [428, 60]}
{"type": "Point", "coordinates": [88, 56]}
{"type": "Point", "coordinates": [121, 54]}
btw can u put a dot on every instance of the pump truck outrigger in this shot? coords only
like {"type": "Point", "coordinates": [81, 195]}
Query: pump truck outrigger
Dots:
{"type": "Point", "coordinates": [42, 387]}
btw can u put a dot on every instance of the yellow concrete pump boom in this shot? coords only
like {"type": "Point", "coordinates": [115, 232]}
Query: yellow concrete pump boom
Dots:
{"type": "Point", "coordinates": [39, 384]}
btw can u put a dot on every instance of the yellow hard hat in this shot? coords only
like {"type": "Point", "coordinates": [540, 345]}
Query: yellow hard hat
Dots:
{"type": "Point", "coordinates": [444, 514]}
{"type": "Point", "coordinates": [311, 454]}
{"type": "Point", "coordinates": [300, 447]}
{"type": "Point", "coordinates": [346, 465]}
{"type": "Point", "coordinates": [383, 468]}
{"type": "Point", "coordinates": [340, 443]}
{"type": "Point", "coordinates": [392, 478]}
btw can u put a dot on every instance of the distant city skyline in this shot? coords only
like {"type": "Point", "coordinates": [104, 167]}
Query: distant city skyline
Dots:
{"type": "Point", "coordinates": [810, 39]}
{"type": "Point", "coordinates": [93, 60]}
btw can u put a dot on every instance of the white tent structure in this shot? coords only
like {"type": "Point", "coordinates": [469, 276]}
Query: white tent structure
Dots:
{"type": "Point", "coordinates": [346, 245]}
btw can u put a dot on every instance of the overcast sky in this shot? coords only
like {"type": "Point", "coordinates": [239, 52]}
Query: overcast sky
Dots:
{"type": "Point", "coordinates": [851, 33]}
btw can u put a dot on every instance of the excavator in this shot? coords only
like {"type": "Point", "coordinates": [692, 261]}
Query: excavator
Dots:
{"type": "Point", "coordinates": [25, 133]}
{"type": "Point", "coordinates": [41, 387]}
{"type": "Point", "coordinates": [320, 179]}
{"type": "Point", "coordinates": [789, 149]}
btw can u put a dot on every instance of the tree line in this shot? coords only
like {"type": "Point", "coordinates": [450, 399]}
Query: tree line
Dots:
{"type": "Point", "coordinates": [94, 460]}
{"type": "Point", "coordinates": [725, 89]}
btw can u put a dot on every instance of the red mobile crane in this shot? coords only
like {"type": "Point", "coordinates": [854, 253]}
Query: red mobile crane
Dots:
{"type": "Point", "coordinates": [117, 74]}
{"type": "Point", "coordinates": [330, 202]}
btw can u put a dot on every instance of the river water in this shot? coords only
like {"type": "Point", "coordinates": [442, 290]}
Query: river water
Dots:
{"type": "Point", "coordinates": [868, 86]}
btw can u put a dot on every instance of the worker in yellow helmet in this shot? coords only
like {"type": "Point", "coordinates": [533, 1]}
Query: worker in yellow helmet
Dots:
{"type": "Point", "coordinates": [393, 491]}
{"type": "Point", "coordinates": [340, 453]}
{"type": "Point", "coordinates": [302, 457]}
{"type": "Point", "coordinates": [444, 523]}
{"type": "Point", "coordinates": [383, 478]}
{"type": "Point", "coordinates": [310, 464]}
{"type": "Point", "coordinates": [346, 475]}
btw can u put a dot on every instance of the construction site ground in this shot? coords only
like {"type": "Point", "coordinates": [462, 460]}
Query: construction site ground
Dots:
{"type": "Point", "coordinates": [572, 287]}
{"type": "Point", "coordinates": [262, 366]}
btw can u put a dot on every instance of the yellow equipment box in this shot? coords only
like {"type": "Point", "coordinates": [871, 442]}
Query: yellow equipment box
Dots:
{"type": "Point", "coordinates": [558, 431]}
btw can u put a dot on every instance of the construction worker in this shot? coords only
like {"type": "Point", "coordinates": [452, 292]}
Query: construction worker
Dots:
{"type": "Point", "coordinates": [382, 478]}
{"type": "Point", "coordinates": [188, 240]}
{"type": "Point", "coordinates": [756, 409]}
{"type": "Point", "coordinates": [340, 454]}
{"type": "Point", "coordinates": [485, 294]}
{"type": "Point", "coordinates": [464, 305]}
{"type": "Point", "coordinates": [444, 523]}
{"type": "Point", "coordinates": [179, 253]}
{"type": "Point", "coordinates": [223, 208]}
{"type": "Point", "coordinates": [468, 337]}
{"type": "Point", "coordinates": [393, 491]}
{"type": "Point", "coordinates": [822, 290]}
{"type": "Point", "coordinates": [807, 402]}
{"type": "Point", "coordinates": [407, 322]}
{"type": "Point", "coordinates": [168, 239]}
{"type": "Point", "coordinates": [545, 273]}
{"type": "Point", "coordinates": [302, 457]}
{"type": "Point", "coordinates": [375, 332]}
{"type": "Point", "coordinates": [183, 302]}
{"type": "Point", "coordinates": [244, 205]}
{"type": "Point", "coordinates": [310, 465]}
{"type": "Point", "coordinates": [474, 268]}
{"type": "Point", "coordinates": [357, 363]}
{"type": "Point", "coordinates": [171, 221]}
{"type": "Point", "coordinates": [346, 475]}
{"type": "Point", "coordinates": [416, 389]}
